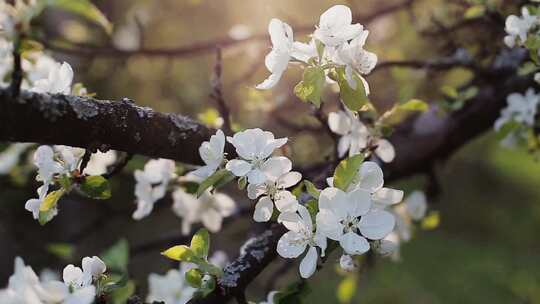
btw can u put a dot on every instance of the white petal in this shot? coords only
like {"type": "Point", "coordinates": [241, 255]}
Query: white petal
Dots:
{"type": "Point", "coordinates": [275, 167]}
{"type": "Point", "coordinates": [358, 202]}
{"type": "Point", "coordinates": [354, 244]}
{"type": "Point", "coordinates": [371, 177]}
{"type": "Point", "coordinates": [339, 122]}
{"type": "Point", "coordinates": [309, 263]}
{"type": "Point", "coordinates": [335, 201]}
{"type": "Point", "coordinates": [255, 191]}
{"type": "Point", "coordinates": [263, 210]}
{"type": "Point", "coordinates": [291, 221]}
{"type": "Point", "coordinates": [386, 197]}
{"type": "Point", "coordinates": [224, 204]}
{"type": "Point", "coordinates": [377, 224]}
{"type": "Point", "coordinates": [385, 150]}
{"type": "Point", "coordinates": [93, 266]}
{"type": "Point", "coordinates": [290, 245]}
{"type": "Point", "coordinates": [329, 225]}
{"type": "Point", "coordinates": [286, 202]}
{"type": "Point", "coordinates": [336, 16]}
{"type": "Point", "coordinates": [72, 275]}
{"type": "Point", "coordinates": [256, 177]}
{"type": "Point", "coordinates": [84, 295]}
{"type": "Point", "coordinates": [212, 220]}
{"type": "Point", "coordinates": [33, 205]}
{"type": "Point", "coordinates": [269, 82]}
{"type": "Point", "coordinates": [416, 205]}
{"type": "Point", "coordinates": [238, 167]}
{"type": "Point", "coordinates": [288, 179]}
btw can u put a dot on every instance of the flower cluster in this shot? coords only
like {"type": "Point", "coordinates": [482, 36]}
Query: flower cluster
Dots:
{"type": "Point", "coordinates": [358, 138]}
{"type": "Point", "coordinates": [335, 43]}
{"type": "Point", "coordinates": [78, 286]}
{"type": "Point", "coordinates": [518, 27]}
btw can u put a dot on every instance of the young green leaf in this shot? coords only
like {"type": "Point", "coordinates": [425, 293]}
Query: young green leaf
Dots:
{"type": "Point", "coordinates": [206, 267]}
{"type": "Point", "coordinates": [311, 189]}
{"type": "Point", "coordinates": [96, 187]}
{"type": "Point", "coordinates": [51, 200]}
{"type": "Point", "coordinates": [216, 179]}
{"type": "Point", "coordinates": [310, 88]}
{"type": "Point", "coordinates": [180, 253]}
{"type": "Point", "coordinates": [200, 243]}
{"type": "Point", "coordinates": [194, 277]}
{"type": "Point", "coordinates": [116, 257]}
{"type": "Point", "coordinates": [346, 171]}
{"type": "Point", "coordinates": [354, 99]}
{"type": "Point", "coordinates": [414, 105]}
{"type": "Point", "coordinates": [83, 8]}
{"type": "Point", "coordinates": [347, 289]}
{"type": "Point", "coordinates": [64, 251]}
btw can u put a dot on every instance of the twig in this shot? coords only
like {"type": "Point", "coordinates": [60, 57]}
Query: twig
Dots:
{"type": "Point", "coordinates": [217, 92]}
{"type": "Point", "coordinates": [85, 159]}
{"type": "Point", "coordinates": [17, 74]}
{"type": "Point", "coordinates": [118, 166]}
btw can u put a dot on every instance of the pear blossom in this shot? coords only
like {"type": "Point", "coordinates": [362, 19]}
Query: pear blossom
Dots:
{"type": "Point", "coordinates": [335, 26]}
{"type": "Point", "coordinates": [254, 146]}
{"type": "Point", "coordinates": [301, 236]}
{"type": "Point", "coordinates": [356, 60]}
{"type": "Point", "coordinates": [356, 137]}
{"type": "Point", "coordinates": [99, 162]}
{"type": "Point", "coordinates": [170, 288]}
{"type": "Point", "coordinates": [350, 219]}
{"type": "Point", "coordinates": [273, 190]}
{"type": "Point", "coordinates": [77, 278]}
{"type": "Point", "coordinates": [283, 50]}
{"type": "Point", "coordinates": [521, 108]}
{"type": "Point", "coordinates": [370, 178]}
{"type": "Point", "coordinates": [152, 185]}
{"type": "Point", "coordinates": [58, 80]}
{"type": "Point", "coordinates": [210, 209]}
{"type": "Point", "coordinates": [211, 153]}
{"type": "Point", "coordinates": [519, 27]}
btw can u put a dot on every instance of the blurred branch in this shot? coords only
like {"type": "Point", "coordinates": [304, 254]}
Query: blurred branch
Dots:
{"type": "Point", "coordinates": [203, 47]}
{"type": "Point", "coordinates": [118, 166]}
{"type": "Point", "coordinates": [217, 92]}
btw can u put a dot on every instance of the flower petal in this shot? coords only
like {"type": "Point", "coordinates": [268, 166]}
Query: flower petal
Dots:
{"type": "Point", "coordinates": [286, 202]}
{"type": "Point", "coordinates": [275, 167]}
{"type": "Point", "coordinates": [288, 179]}
{"type": "Point", "coordinates": [385, 150]}
{"type": "Point", "coordinates": [238, 167]}
{"type": "Point", "coordinates": [329, 225]}
{"type": "Point", "coordinates": [263, 210]}
{"type": "Point", "coordinates": [385, 197]}
{"type": "Point", "coordinates": [377, 224]}
{"type": "Point", "coordinates": [256, 177]}
{"type": "Point", "coordinates": [371, 177]}
{"type": "Point", "coordinates": [309, 263]}
{"type": "Point", "coordinates": [358, 202]}
{"type": "Point", "coordinates": [290, 245]}
{"type": "Point", "coordinates": [354, 244]}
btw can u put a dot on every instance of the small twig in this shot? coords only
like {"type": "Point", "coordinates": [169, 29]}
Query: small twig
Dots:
{"type": "Point", "coordinates": [17, 74]}
{"type": "Point", "coordinates": [85, 159]}
{"type": "Point", "coordinates": [119, 166]}
{"type": "Point", "coordinates": [217, 92]}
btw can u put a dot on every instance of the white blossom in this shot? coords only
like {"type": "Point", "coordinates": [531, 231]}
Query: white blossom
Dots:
{"type": "Point", "coordinates": [521, 109]}
{"type": "Point", "coordinates": [354, 134]}
{"type": "Point", "coordinates": [254, 146]}
{"type": "Point", "coordinates": [210, 209]}
{"type": "Point", "coordinates": [356, 60]}
{"type": "Point", "coordinates": [335, 26]}
{"type": "Point", "coordinates": [273, 190]}
{"type": "Point", "coordinates": [301, 236]}
{"type": "Point", "coordinates": [170, 288]}
{"type": "Point", "coordinates": [350, 219]}
{"type": "Point", "coordinates": [519, 27]}
{"type": "Point", "coordinates": [152, 185]}
{"type": "Point", "coordinates": [77, 278]}
{"type": "Point", "coordinates": [99, 162]}
{"type": "Point", "coordinates": [370, 178]}
{"type": "Point", "coordinates": [211, 153]}
{"type": "Point", "coordinates": [283, 50]}
{"type": "Point", "coordinates": [58, 80]}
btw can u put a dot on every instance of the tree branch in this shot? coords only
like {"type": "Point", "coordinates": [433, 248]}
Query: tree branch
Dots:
{"type": "Point", "coordinates": [89, 123]}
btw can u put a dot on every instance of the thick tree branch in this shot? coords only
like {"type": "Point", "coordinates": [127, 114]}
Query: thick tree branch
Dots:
{"type": "Point", "coordinates": [89, 123]}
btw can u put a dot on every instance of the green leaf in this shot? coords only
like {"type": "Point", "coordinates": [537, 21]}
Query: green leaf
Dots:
{"type": "Point", "coordinates": [206, 267]}
{"type": "Point", "coordinates": [219, 178]}
{"type": "Point", "coordinates": [117, 256]}
{"type": "Point", "coordinates": [527, 68]}
{"type": "Point", "coordinates": [64, 251]}
{"type": "Point", "coordinates": [181, 253]}
{"type": "Point", "coordinates": [354, 99]}
{"type": "Point", "coordinates": [346, 171]}
{"type": "Point", "coordinates": [414, 105]}
{"type": "Point", "coordinates": [194, 277]}
{"type": "Point", "coordinates": [122, 294]}
{"type": "Point", "coordinates": [346, 289]}
{"type": "Point", "coordinates": [310, 88]}
{"type": "Point", "coordinates": [46, 216]}
{"type": "Point", "coordinates": [450, 92]}
{"type": "Point", "coordinates": [469, 93]}
{"type": "Point", "coordinates": [83, 8]}
{"type": "Point", "coordinates": [51, 200]}
{"type": "Point", "coordinates": [208, 285]}
{"type": "Point", "coordinates": [311, 189]}
{"type": "Point", "coordinates": [431, 221]}
{"type": "Point", "coordinates": [242, 183]}
{"type": "Point", "coordinates": [200, 243]}
{"type": "Point", "coordinates": [313, 208]}
{"type": "Point", "coordinates": [507, 128]}
{"type": "Point", "coordinates": [475, 11]}
{"type": "Point", "coordinates": [96, 187]}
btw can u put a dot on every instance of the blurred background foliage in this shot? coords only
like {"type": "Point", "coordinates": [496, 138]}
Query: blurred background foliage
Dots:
{"type": "Point", "coordinates": [486, 248]}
